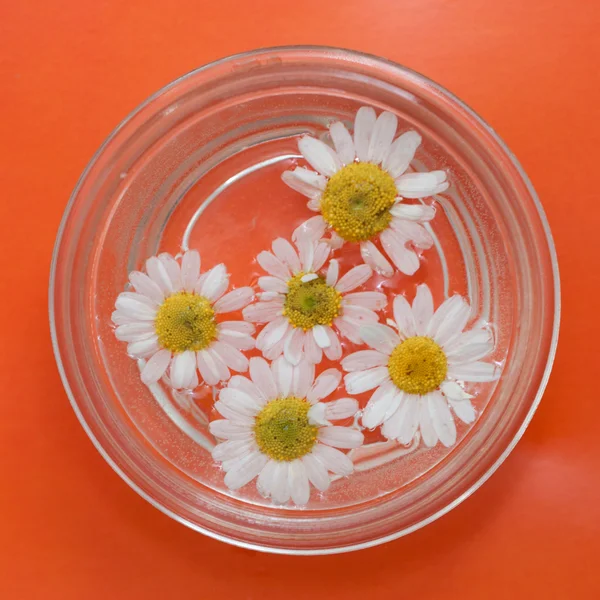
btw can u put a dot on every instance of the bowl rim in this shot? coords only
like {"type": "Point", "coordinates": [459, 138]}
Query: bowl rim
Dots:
{"type": "Point", "coordinates": [544, 378]}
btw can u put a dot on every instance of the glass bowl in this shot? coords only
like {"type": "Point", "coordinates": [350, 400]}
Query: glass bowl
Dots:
{"type": "Point", "coordinates": [199, 164]}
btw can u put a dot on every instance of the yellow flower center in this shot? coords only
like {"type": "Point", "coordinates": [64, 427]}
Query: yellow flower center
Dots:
{"type": "Point", "coordinates": [282, 430]}
{"type": "Point", "coordinates": [418, 365]}
{"type": "Point", "coordinates": [310, 303]}
{"type": "Point", "coordinates": [357, 201]}
{"type": "Point", "coordinates": [185, 322]}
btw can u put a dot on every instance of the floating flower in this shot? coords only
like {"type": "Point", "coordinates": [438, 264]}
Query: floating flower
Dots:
{"type": "Point", "coordinates": [360, 187]}
{"type": "Point", "coordinates": [171, 320]}
{"type": "Point", "coordinates": [416, 369]}
{"type": "Point", "coordinates": [305, 309]}
{"type": "Point", "coordinates": [277, 429]}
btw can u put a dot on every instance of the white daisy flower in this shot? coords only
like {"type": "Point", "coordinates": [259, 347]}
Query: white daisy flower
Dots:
{"type": "Point", "coordinates": [416, 369]}
{"type": "Point", "coordinates": [171, 320]}
{"type": "Point", "coordinates": [305, 309]}
{"type": "Point", "coordinates": [359, 189]}
{"type": "Point", "coordinates": [277, 429]}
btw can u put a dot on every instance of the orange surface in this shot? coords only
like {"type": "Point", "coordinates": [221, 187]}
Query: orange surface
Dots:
{"type": "Point", "coordinates": [70, 71]}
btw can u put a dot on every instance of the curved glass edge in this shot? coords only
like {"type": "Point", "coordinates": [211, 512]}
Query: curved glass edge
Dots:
{"type": "Point", "coordinates": [456, 501]}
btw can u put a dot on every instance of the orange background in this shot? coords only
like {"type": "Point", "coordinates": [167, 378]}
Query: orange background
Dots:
{"type": "Point", "coordinates": [70, 71]}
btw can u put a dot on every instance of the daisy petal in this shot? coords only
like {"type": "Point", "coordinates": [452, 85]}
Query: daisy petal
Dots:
{"type": "Point", "coordinates": [120, 318]}
{"type": "Point", "coordinates": [145, 286]}
{"type": "Point", "coordinates": [239, 328]}
{"type": "Point", "coordinates": [143, 348]}
{"type": "Point", "coordinates": [312, 351]}
{"type": "Point", "coordinates": [272, 265]}
{"type": "Point", "coordinates": [469, 353]}
{"type": "Point", "coordinates": [316, 472]}
{"type": "Point", "coordinates": [341, 409]}
{"type": "Point", "coordinates": [320, 336]}
{"type": "Point", "coordinates": [246, 471]}
{"type": "Point", "coordinates": [322, 252]}
{"type": "Point", "coordinates": [420, 185]}
{"type": "Point", "coordinates": [286, 253]}
{"type": "Point", "coordinates": [243, 384]}
{"type": "Point", "coordinates": [370, 300]}
{"type": "Point", "coordinates": [190, 270]}
{"type": "Point", "coordinates": [276, 351]}
{"type": "Point", "coordinates": [333, 460]}
{"type": "Point", "coordinates": [342, 142]}
{"type": "Point", "coordinates": [156, 366]}
{"type": "Point", "coordinates": [319, 155]}
{"type": "Point", "coordinates": [375, 259]}
{"type": "Point", "coordinates": [379, 405]}
{"type": "Point", "coordinates": [312, 229]}
{"type": "Point", "coordinates": [441, 418]}
{"type": "Point", "coordinates": [302, 379]}
{"type": "Point", "coordinates": [283, 373]}
{"type": "Point", "coordinates": [182, 369]}
{"type": "Point", "coordinates": [449, 319]}
{"type": "Point", "coordinates": [239, 341]}
{"type": "Point", "coordinates": [222, 370]}
{"type": "Point", "coordinates": [413, 212]}
{"type": "Point", "coordinates": [133, 332]}
{"type": "Point", "coordinates": [215, 284]}
{"type": "Point", "coordinates": [294, 345]}
{"type": "Point", "coordinates": [380, 337]}
{"type": "Point", "coordinates": [335, 241]}
{"type": "Point", "coordinates": [298, 482]}
{"type": "Point", "coordinates": [341, 437]}
{"type": "Point", "coordinates": [334, 351]}
{"type": "Point", "coordinates": [324, 385]}
{"type": "Point", "coordinates": [229, 412]}
{"type": "Point", "coordinates": [272, 333]}
{"type": "Point", "coordinates": [226, 430]}
{"type": "Point", "coordinates": [208, 367]}
{"type": "Point", "coordinates": [364, 359]}
{"type": "Point", "coordinates": [363, 381]}
{"type": "Point", "coordinates": [415, 232]}
{"type": "Point", "coordinates": [409, 417]}
{"type": "Point", "coordinates": [401, 153]}
{"type": "Point", "coordinates": [266, 478]}
{"type": "Point", "coordinates": [403, 316]}
{"type": "Point", "coordinates": [231, 449]}
{"type": "Point", "coordinates": [133, 308]}
{"type": "Point", "coordinates": [234, 300]}
{"type": "Point", "coordinates": [383, 134]}
{"type": "Point", "coordinates": [158, 273]}
{"type": "Point", "coordinates": [478, 372]}
{"type": "Point", "coordinates": [238, 400]}
{"type": "Point", "coordinates": [263, 312]}
{"type": "Point", "coordinates": [464, 410]}
{"type": "Point", "coordinates": [354, 278]}
{"type": "Point", "coordinates": [348, 328]}
{"type": "Point", "coordinates": [394, 244]}
{"type": "Point", "coordinates": [422, 308]}
{"type": "Point", "coordinates": [262, 377]}
{"type": "Point", "coordinates": [360, 313]}
{"type": "Point", "coordinates": [430, 437]}
{"type": "Point", "coordinates": [314, 204]}
{"type": "Point", "coordinates": [475, 336]}
{"type": "Point", "coordinates": [280, 488]}
{"type": "Point", "coordinates": [306, 250]}
{"type": "Point", "coordinates": [333, 272]}
{"type": "Point", "coordinates": [272, 284]}
{"type": "Point", "coordinates": [363, 129]}
{"type": "Point", "coordinates": [232, 357]}
{"type": "Point", "coordinates": [392, 423]}
{"type": "Point", "coordinates": [173, 270]}
{"type": "Point", "coordinates": [304, 181]}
